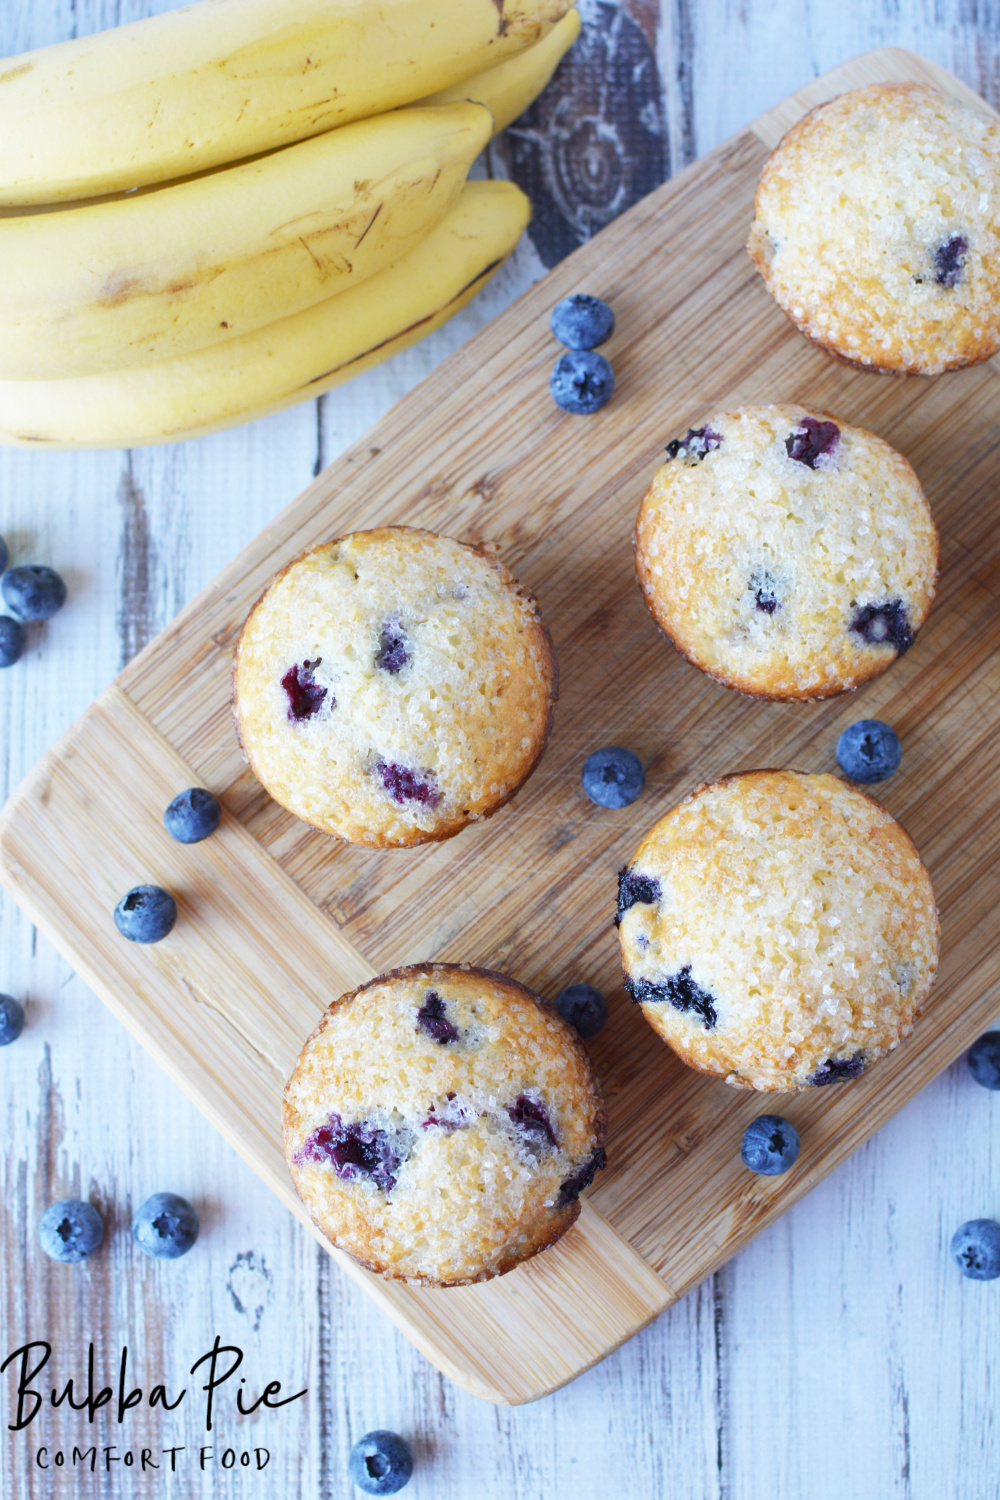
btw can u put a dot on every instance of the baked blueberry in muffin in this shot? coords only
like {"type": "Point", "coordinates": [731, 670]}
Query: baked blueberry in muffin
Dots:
{"type": "Point", "coordinates": [877, 229]}
{"type": "Point", "coordinates": [794, 556]}
{"type": "Point", "coordinates": [778, 930]}
{"type": "Point", "coordinates": [441, 1124]}
{"type": "Point", "coordinates": [394, 685]}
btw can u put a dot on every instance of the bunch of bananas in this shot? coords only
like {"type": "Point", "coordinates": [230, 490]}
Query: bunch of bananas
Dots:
{"type": "Point", "coordinates": [223, 210]}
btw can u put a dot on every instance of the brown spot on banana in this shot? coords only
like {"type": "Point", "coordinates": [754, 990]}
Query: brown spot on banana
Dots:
{"type": "Point", "coordinates": [17, 72]}
{"type": "Point", "coordinates": [118, 288]}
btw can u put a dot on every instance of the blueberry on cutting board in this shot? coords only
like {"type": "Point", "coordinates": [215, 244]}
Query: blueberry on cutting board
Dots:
{"type": "Point", "coordinates": [192, 816]}
{"type": "Point", "coordinates": [583, 1007]}
{"type": "Point", "coordinates": [145, 914]}
{"type": "Point", "coordinates": [869, 751]}
{"type": "Point", "coordinates": [770, 1145]}
{"type": "Point", "coordinates": [582, 322]}
{"type": "Point", "coordinates": [582, 382]}
{"type": "Point", "coordinates": [613, 777]}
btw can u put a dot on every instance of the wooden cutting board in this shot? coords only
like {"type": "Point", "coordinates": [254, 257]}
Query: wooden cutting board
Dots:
{"type": "Point", "coordinates": [276, 920]}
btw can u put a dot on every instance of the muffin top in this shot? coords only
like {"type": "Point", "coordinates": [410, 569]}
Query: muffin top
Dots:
{"type": "Point", "coordinates": [786, 553]}
{"type": "Point", "coordinates": [394, 685]}
{"type": "Point", "coordinates": [441, 1123]}
{"type": "Point", "coordinates": [877, 228]}
{"type": "Point", "coordinates": [778, 929]}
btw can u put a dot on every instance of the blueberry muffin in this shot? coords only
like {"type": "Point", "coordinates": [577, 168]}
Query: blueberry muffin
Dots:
{"type": "Point", "coordinates": [394, 685]}
{"type": "Point", "coordinates": [785, 553]}
{"type": "Point", "coordinates": [778, 930]}
{"type": "Point", "coordinates": [877, 229]}
{"type": "Point", "coordinates": [441, 1123]}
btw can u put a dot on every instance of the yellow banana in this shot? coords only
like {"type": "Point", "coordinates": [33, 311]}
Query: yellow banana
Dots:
{"type": "Point", "coordinates": [291, 360]}
{"type": "Point", "coordinates": [511, 86]}
{"type": "Point", "coordinates": [142, 279]}
{"type": "Point", "coordinates": [216, 82]}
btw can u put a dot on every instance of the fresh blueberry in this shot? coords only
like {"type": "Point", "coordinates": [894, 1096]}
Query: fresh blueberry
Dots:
{"type": "Point", "coordinates": [4, 555]}
{"type": "Point", "coordinates": [33, 593]}
{"type": "Point", "coordinates": [12, 640]}
{"type": "Point", "coordinates": [145, 914]}
{"type": "Point", "coordinates": [984, 1060]}
{"type": "Point", "coordinates": [166, 1226]}
{"type": "Point", "coordinates": [70, 1230]}
{"type": "Point", "coordinates": [11, 1019]}
{"type": "Point", "coordinates": [770, 1145]}
{"type": "Point", "coordinates": [583, 1007]}
{"type": "Point", "coordinates": [380, 1463]}
{"type": "Point", "coordinates": [975, 1249]}
{"type": "Point", "coordinates": [582, 382]}
{"type": "Point", "coordinates": [613, 777]}
{"type": "Point", "coordinates": [582, 322]}
{"type": "Point", "coordinates": [869, 751]}
{"type": "Point", "coordinates": [192, 815]}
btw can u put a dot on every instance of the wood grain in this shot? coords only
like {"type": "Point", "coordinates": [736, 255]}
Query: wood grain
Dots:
{"type": "Point", "coordinates": [478, 452]}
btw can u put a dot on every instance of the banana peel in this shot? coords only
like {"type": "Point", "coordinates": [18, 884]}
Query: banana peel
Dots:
{"type": "Point", "coordinates": [291, 360]}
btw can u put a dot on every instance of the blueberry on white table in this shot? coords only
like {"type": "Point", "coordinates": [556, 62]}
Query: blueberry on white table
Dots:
{"type": "Point", "coordinates": [33, 592]}
{"type": "Point", "coordinates": [613, 777]}
{"type": "Point", "coordinates": [975, 1249]}
{"type": "Point", "coordinates": [380, 1463]}
{"type": "Point", "coordinates": [11, 1019]}
{"type": "Point", "coordinates": [984, 1060]}
{"type": "Point", "coordinates": [192, 815]}
{"type": "Point", "coordinates": [583, 1007]}
{"type": "Point", "coordinates": [166, 1226]}
{"type": "Point", "coordinates": [869, 751]}
{"type": "Point", "coordinates": [582, 321]}
{"type": "Point", "coordinates": [582, 382]}
{"type": "Point", "coordinates": [770, 1145]}
{"type": "Point", "coordinates": [145, 914]}
{"type": "Point", "coordinates": [12, 640]}
{"type": "Point", "coordinates": [70, 1230]}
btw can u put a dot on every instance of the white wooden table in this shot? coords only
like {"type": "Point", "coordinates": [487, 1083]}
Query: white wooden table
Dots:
{"type": "Point", "coordinates": [840, 1355]}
